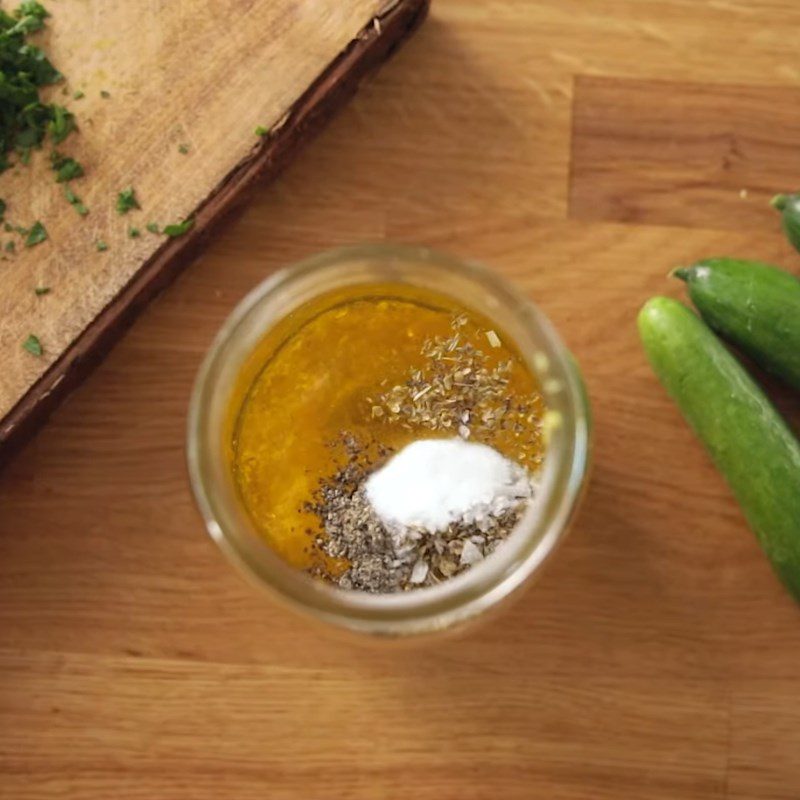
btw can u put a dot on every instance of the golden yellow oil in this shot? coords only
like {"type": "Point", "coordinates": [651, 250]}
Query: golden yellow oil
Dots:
{"type": "Point", "coordinates": [316, 375]}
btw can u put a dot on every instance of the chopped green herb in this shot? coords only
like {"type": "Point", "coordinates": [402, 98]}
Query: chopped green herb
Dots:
{"type": "Point", "coordinates": [20, 230]}
{"type": "Point", "coordinates": [79, 95]}
{"type": "Point", "coordinates": [33, 9]}
{"type": "Point", "coordinates": [75, 201]}
{"type": "Point", "coordinates": [42, 290]}
{"type": "Point", "coordinates": [2, 208]}
{"type": "Point", "coordinates": [66, 168]}
{"type": "Point", "coordinates": [36, 235]}
{"type": "Point", "coordinates": [183, 149]}
{"type": "Point", "coordinates": [62, 124]}
{"type": "Point", "coordinates": [24, 69]}
{"type": "Point", "coordinates": [261, 131]}
{"type": "Point", "coordinates": [101, 245]}
{"type": "Point", "coordinates": [134, 233]}
{"type": "Point", "coordinates": [33, 345]}
{"type": "Point", "coordinates": [153, 227]}
{"type": "Point", "coordinates": [104, 94]}
{"type": "Point", "coordinates": [11, 247]}
{"type": "Point", "coordinates": [25, 155]}
{"type": "Point", "coordinates": [126, 201]}
{"type": "Point", "coordinates": [179, 228]}
{"type": "Point", "coordinates": [8, 227]}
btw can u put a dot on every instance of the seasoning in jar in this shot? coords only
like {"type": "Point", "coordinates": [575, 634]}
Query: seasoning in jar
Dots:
{"type": "Point", "coordinates": [389, 440]}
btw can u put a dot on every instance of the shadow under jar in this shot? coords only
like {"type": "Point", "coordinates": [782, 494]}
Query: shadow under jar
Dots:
{"type": "Point", "coordinates": [266, 323]}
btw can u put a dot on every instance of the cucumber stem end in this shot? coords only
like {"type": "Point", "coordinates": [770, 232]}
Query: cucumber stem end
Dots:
{"type": "Point", "coordinates": [779, 201]}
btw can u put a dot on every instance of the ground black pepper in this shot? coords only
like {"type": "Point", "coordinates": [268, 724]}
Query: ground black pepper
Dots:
{"type": "Point", "coordinates": [379, 560]}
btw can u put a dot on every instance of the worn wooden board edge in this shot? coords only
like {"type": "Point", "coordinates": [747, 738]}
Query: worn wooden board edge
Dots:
{"type": "Point", "coordinates": [376, 42]}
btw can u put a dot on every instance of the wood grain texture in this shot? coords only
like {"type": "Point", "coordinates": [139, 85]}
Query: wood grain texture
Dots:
{"type": "Point", "coordinates": [657, 657]}
{"type": "Point", "coordinates": [695, 155]}
{"type": "Point", "coordinates": [293, 65]}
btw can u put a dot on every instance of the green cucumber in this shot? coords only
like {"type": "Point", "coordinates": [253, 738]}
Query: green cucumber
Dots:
{"type": "Point", "coordinates": [755, 306]}
{"type": "Point", "coordinates": [746, 437]}
{"type": "Point", "coordinates": [789, 206]}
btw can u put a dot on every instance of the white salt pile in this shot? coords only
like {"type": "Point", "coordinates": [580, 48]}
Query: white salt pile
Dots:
{"type": "Point", "coordinates": [434, 510]}
{"type": "Point", "coordinates": [433, 483]}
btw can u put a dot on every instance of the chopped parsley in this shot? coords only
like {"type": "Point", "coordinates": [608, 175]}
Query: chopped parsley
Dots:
{"type": "Point", "coordinates": [104, 94]}
{"type": "Point", "coordinates": [38, 13]}
{"type": "Point", "coordinates": [134, 233]}
{"type": "Point", "coordinates": [75, 201]}
{"type": "Point", "coordinates": [2, 208]}
{"type": "Point", "coordinates": [62, 124]}
{"type": "Point", "coordinates": [183, 149]}
{"type": "Point", "coordinates": [11, 247]}
{"type": "Point", "coordinates": [36, 235]}
{"type": "Point", "coordinates": [101, 245]}
{"type": "Point", "coordinates": [153, 227]}
{"type": "Point", "coordinates": [66, 168]}
{"type": "Point", "coordinates": [8, 227]}
{"type": "Point", "coordinates": [79, 95]}
{"type": "Point", "coordinates": [33, 345]}
{"type": "Point", "coordinates": [261, 131]}
{"type": "Point", "coordinates": [24, 119]}
{"type": "Point", "coordinates": [126, 200]}
{"type": "Point", "coordinates": [42, 290]}
{"type": "Point", "coordinates": [178, 228]}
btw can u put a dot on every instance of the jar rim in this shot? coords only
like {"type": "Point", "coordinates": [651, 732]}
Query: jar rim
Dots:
{"type": "Point", "coordinates": [535, 537]}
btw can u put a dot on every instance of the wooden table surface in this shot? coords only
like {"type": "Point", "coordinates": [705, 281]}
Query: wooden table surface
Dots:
{"type": "Point", "coordinates": [582, 149]}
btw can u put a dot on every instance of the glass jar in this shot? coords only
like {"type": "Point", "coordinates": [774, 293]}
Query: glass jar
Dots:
{"type": "Point", "coordinates": [466, 597]}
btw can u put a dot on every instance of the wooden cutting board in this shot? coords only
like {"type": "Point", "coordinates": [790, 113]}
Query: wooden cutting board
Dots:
{"type": "Point", "coordinates": [581, 148]}
{"type": "Point", "coordinates": [199, 76]}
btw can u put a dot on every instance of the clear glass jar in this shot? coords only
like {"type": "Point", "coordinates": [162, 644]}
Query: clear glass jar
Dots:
{"type": "Point", "coordinates": [485, 586]}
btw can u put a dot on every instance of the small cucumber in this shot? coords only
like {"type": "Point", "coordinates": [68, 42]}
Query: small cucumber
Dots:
{"type": "Point", "coordinates": [789, 206]}
{"type": "Point", "coordinates": [756, 306]}
{"type": "Point", "coordinates": [744, 434]}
